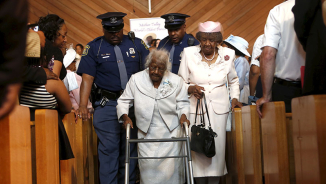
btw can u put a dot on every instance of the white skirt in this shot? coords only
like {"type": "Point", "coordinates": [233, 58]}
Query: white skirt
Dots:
{"type": "Point", "coordinates": [215, 166]}
{"type": "Point", "coordinates": [160, 171]}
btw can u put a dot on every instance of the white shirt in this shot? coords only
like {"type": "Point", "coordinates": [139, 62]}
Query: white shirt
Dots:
{"type": "Point", "coordinates": [256, 51]}
{"type": "Point", "coordinates": [280, 34]}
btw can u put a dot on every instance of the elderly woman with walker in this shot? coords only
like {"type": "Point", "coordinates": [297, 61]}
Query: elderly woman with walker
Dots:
{"type": "Point", "coordinates": [161, 107]}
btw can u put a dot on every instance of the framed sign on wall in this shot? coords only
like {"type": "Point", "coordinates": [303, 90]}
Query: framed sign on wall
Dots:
{"type": "Point", "coordinates": [148, 28]}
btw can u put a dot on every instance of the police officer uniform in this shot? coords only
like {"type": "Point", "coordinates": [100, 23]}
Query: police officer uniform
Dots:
{"type": "Point", "coordinates": [175, 21]}
{"type": "Point", "coordinates": [112, 66]}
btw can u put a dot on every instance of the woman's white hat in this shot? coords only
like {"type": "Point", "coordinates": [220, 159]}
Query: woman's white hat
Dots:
{"type": "Point", "coordinates": [69, 57]}
{"type": "Point", "coordinates": [239, 43]}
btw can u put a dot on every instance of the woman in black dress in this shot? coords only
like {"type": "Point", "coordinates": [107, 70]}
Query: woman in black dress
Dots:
{"type": "Point", "coordinates": [55, 31]}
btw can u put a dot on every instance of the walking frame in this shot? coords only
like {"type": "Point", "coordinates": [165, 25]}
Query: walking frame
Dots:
{"type": "Point", "coordinates": [187, 157]}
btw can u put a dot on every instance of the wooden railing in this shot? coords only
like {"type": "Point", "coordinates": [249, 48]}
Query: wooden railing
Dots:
{"type": "Point", "coordinates": [309, 139]}
{"type": "Point", "coordinates": [244, 148]}
{"type": "Point", "coordinates": [280, 148]}
{"type": "Point", "coordinates": [15, 147]}
{"type": "Point", "coordinates": [30, 152]}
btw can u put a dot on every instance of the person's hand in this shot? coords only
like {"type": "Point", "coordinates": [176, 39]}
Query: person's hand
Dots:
{"type": "Point", "coordinates": [50, 74]}
{"type": "Point", "coordinates": [82, 112]}
{"type": "Point", "coordinates": [8, 98]}
{"type": "Point", "coordinates": [235, 103]}
{"type": "Point", "coordinates": [76, 115]}
{"type": "Point", "coordinates": [126, 121]}
{"type": "Point", "coordinates": [196, 91]}
{"type": "Point", "coordinates": [259, 105]}
{"type": "Point", "coordinates": [183, 118]}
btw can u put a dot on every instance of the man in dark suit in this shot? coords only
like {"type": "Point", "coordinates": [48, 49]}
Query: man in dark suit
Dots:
{"type": "Point", "coordinates": [311, 32]}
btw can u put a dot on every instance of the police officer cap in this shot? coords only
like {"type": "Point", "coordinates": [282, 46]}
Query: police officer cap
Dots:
{"type": "Point", "coordinates": [174, 20]}
{"type": "Point", "coordinates": [112, 21]}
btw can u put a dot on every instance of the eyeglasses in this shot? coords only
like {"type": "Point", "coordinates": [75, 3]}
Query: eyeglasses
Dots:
{"type": "Point", "coordinates": [161, 70]}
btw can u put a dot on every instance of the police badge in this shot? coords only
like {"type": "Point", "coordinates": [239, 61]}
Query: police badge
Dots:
{"type": "Point", "coordinates": [171, 18]}
{"type": "Point", "coordinates": [113, 20]}
{"type": "Point", "coordinates": [132, 51]}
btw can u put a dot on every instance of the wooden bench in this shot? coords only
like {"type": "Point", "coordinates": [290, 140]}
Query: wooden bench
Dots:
{"type": "Point", "coordinates": [277, 144]}
{"type": "Point", "coordinates": [252, 148]}
{"type": "Point", "coordinates": [83, 168]}
{"type": "Point", "coordinates": [234, 151]}
{"type": "Point", "coordinates": [68, 167]}
{"type": "Point", "coordinates": [47, 146]}
{"type": "Point", "coordinates": [15, 147]}
{"type": "Point", "coordinates": [309, 139]}
{"type": "Point", "coordinates": [244, 148]}
{"type": "Point", "coordinates": [30, 152]}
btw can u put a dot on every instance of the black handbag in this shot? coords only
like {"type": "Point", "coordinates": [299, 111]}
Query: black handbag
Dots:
{"type": "Point", "coordinates": [202, 140]}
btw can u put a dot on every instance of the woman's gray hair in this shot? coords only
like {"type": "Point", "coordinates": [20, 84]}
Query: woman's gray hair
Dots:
{"type": "Point", "coordinates": [161, 56]}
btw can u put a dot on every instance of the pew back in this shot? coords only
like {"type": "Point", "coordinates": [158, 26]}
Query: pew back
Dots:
{"type": "Point", "coordinates": [47, 146]}
{"type": "Point", "coordinates": [15, 144]}
{"type": "Point", "coordinates": [309, 139]}
{"type": "Point", "coordinates": [275, 143]}
{"type": "Point", "coordinates": [252, 145]}
{"type": "Point", "coordinates": [234, 150]}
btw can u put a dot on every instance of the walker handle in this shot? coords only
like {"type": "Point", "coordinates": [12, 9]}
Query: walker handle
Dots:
{"type": "Point", "coordinates": [185, 125]}
{"type": "Point", "coordinates": [128, 131]}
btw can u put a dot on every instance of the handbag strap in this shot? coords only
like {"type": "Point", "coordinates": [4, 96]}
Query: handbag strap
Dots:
{"type": "Point", "coordinates": [198, 102]}
{"type": "Point", "coordinates": [202, 121]}
{"type": "Point", "coordinates": [209, 121]}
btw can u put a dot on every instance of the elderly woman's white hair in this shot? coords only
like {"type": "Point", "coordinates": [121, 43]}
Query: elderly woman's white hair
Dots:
{"type": "Point", "coordinates": [161, 56]}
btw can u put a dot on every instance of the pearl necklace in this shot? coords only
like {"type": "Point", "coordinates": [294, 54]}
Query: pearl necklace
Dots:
{"type": "Point", "coordinates": [209, 59]}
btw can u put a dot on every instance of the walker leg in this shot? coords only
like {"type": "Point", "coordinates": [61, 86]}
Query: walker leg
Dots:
{"type": "Point", "coordinates": [187, 171]}
{"type": "Point", "coordinates": [191, 173]}
{"type": "Point", "coordinates": [188, 158]}
{"type": "Point", "coordinates": [127, 154]}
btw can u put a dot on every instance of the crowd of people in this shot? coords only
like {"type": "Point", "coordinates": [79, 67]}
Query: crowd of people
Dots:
{"type": "Point", "coordinates": [157, 89]}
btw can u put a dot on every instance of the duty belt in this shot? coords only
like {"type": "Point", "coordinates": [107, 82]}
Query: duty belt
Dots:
{"type": "Point", "coordinates": [111, 95]}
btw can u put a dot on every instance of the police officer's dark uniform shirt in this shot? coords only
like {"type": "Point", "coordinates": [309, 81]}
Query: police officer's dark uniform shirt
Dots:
{"type": "Point", "coordinates": [178, 49]}
{"type": "Point", "coordinates": [101, 62]}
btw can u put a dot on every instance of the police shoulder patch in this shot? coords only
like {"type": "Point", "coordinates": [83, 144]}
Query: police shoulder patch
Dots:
{"type": "Point", "coordinates": [144, 44]}
{"type": "Point", "coordinates": [85, 52]}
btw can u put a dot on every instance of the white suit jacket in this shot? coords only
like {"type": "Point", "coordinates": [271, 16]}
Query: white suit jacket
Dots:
{"type": "Point", "coordinates": [213, 78]}
{"type": "Point", "coordinates": [172, 99]}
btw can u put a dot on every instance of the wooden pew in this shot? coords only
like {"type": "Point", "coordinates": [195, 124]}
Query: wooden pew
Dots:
{"type": "Point", "coordinates": [15, 147]}
{"type": "Point", "coordinates": [80, 151]}
{"type": "Point", "coordinates": [252, 148]}
{"type": "Point", "coordinates": [95, 155]}
{"type": "Point", "coordinates": [92, 153]}
{"type": "Point", "coordinates": [68, 167]}
{"type": "Point", "coordinates": [86, 152]}
{"type": "Point", "coordinates": [47, 148]}
{"type": "Point", "coordinates": [289, 131]}
{"type": "Point", "coordinates": [277, 144]}
{"type": "Point", "coordinates": [234, 151]}
{"type": "Point", "coordinates": [309, 139]}
{"type": "Point", "coordinates": [82, 169]}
